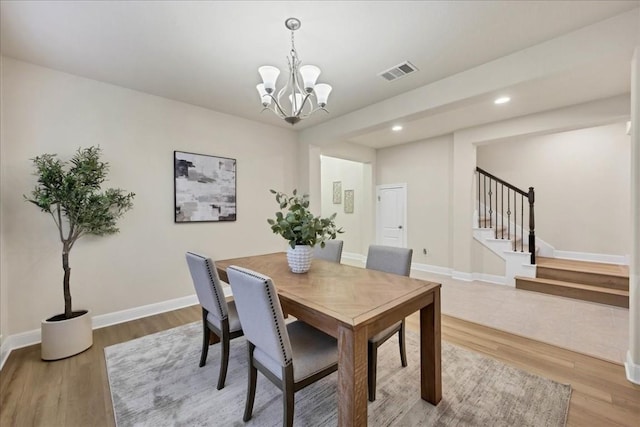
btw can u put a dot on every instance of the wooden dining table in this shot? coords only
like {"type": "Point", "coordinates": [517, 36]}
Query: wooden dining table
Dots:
{"type": "Point", "coordinates": [353, 304]}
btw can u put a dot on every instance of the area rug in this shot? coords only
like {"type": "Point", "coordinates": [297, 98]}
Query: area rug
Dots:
{"type": "Point", "coordinates": [155, 381]}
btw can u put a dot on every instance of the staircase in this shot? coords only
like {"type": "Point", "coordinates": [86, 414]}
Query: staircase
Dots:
{"type": "Point", "coordinates": [505, 224]}
{"type": "Point", "coordinates": [588, 281]}
{"type": "Point", "coordinates": [502, 211]}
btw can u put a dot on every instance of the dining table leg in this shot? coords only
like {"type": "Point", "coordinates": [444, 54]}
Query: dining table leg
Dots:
{"type": "Point", "coordinates": [431, 351]}
{"type": "Point", "coordinates": [352, 376]}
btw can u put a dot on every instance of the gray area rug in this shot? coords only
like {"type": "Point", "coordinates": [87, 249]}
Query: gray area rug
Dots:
{"type": "Point", "coordinates": [155, 381]}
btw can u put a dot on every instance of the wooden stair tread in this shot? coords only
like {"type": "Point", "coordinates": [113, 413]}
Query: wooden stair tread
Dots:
{"type": "Point", "coordinates": [617, 270]}
{"type": "Point", "coordinates": [575, 285]}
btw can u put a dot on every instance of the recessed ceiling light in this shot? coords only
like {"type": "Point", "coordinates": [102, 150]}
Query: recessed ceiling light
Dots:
{"type": "Point", "coordinates": [502, 100]}
{"type": "Point", "coordinates": [396, 128]}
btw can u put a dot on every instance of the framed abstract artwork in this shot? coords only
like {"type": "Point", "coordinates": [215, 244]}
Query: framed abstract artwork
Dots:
{"type": "Point", "coordinates": [348, 201]}
{"type": "Point", "coordinates": [337, 192]}
{"type": "Point", "coordinates": [204, 188]}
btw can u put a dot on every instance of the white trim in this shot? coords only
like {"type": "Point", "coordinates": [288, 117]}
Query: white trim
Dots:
{"type": "Point", "coordinates": [16, 341]}
{"type": "Point", "coordinates": [427, 268]}
{"type": "Point", "coordinates": [461, 275]}
{"type": "Point", "coordinates": [632, 369]}
{"type": "Point", "coordinates": [354, 257]}
{"type": "Point", "coordinates": [516, 263]}
{"type": "Point", "coordinates": [490, 278]}
{"type": "Point", "coordinates": [24, 339]}
{"type": "Point", "coordinates": [144, 311]}
{"type": "Point", "coordinates": [405, 234]}
{"type": "Point", "coordinates": [4, 353]}
{"type": "Point", "coordinates": [587, 256]}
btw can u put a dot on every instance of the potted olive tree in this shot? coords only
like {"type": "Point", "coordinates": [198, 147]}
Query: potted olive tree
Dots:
{"type": "Point", "coordinates": [70, 192]}
{"type": "Point", "coordinates": [301, 229]}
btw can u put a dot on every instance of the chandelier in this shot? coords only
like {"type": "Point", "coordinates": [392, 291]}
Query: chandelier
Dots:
{"type": "Point", "coordinates": [294, 101]}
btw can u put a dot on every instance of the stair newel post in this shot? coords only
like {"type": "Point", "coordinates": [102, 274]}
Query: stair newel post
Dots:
{"type": "Point", "coordinates": [496, 209]}
{"type": "Point", "coordinates": [484, 193]}
{"type": "Point", "coordinates": [478, 178]}
{"type": "Point", "coordinates": [521, 224]}
{"type": "Point", "coordinates": [502, 209]}
{"type": "Point", "coordinates": [532, 226]}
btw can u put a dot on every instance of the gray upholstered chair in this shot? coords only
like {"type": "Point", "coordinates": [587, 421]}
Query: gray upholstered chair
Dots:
{"type": "Point", "coordinates": [291, 356]}
{"type": "Point", "coordinates": [218, 316]}
{"type": "Point", "coordinates": [396, 261]}
{"type": "Point", "coordinates": [332, 250]}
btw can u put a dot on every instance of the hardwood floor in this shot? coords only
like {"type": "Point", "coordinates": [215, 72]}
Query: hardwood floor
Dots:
{"type": "Point", "coordinates": [75, 391]}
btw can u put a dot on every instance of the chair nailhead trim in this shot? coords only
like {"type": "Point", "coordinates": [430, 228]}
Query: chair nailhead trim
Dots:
{"type": "Point", "coordinates": [287, 361]}
{"type": "Point", "coordinates": [215, 290]}
{"type": "Point", "coordinates": [208, 263]}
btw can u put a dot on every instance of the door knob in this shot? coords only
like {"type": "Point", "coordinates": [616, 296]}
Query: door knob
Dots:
{"type": "Point", "coordinates": [400, 227]}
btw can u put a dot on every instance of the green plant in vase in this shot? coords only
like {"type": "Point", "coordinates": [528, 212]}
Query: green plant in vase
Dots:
{"type": "Point", "coordinates": [301, 228]}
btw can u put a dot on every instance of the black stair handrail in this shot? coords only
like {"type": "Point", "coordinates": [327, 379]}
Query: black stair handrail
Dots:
{"type": "Point", "coordinates": [498, 202]}
{"type": "Point", "coordinates": [500, 181]}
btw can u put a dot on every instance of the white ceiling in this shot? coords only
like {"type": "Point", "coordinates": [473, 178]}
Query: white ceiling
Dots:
{"type": "Point", "coordinates": [207, 53]}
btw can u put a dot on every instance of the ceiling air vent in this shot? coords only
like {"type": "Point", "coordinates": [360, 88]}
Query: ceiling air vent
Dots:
{"type": "Point", "coordinates": [398, 71]}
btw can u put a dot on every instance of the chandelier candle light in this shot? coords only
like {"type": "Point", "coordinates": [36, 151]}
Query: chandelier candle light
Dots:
{"type": "Point", "coordinates": [292, 103]}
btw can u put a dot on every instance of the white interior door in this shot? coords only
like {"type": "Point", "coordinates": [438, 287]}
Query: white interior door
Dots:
{"type": "Point", "coordinates": [391, 215]}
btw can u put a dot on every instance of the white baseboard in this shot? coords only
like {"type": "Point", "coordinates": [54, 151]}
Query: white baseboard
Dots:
{"type": "Point", "coordinates": [427, 268]}
{"type": "Point", "coordinates": [435, 269]}
{"type": "Point", "coordinates": [5, 350]}
{"type": "Point", "coordinates": [461, 275]}
{"type": "Point", "coordinates": [17, 341]}
{"type": "Point", "coordinates": [490, 278]}
{"type": "Point", "coordinates": [587, 256]}
{"type": "Point", "coordinates": [632, 369]}
{"type": "Point", "coordinates": [24, 339]}
{"type": "Point", "coordinates": [354, 257]}
{"type": "Point", "coordinates": [144, 311]}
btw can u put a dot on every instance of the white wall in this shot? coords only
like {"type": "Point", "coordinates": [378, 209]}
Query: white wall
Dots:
{"type": "Point", "coordinates": [45, 111]}
{"type": "Point", "coordinates": [310, 180]}
{"type": "Point", "coordinates": [425, 167]}
{"type": "Point", "coordinates": [484, 261]}
{"type": "Point", "coordinates": [4, 304]}
{"type": "Point", "coordinates": [581, 179]}
{"type": "Point", "coordinates": [632, 364]}
{"type": "Point", "coordinates": [352, 177]}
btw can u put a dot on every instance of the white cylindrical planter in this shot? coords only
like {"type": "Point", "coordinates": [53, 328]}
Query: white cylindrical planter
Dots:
{"type": "Point", "coordinates": [300, 258]}
{"type": "Point", "coordinates": [65, 338]}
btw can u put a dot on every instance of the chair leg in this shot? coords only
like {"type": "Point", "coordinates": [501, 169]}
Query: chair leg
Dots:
{"type": "Point", "coordinates": [251, 388]}
{"type": "Point", "coordinates": [372, 365]}
{"type": "Point", "coordinates": [288, 399]}
{"type": "Point", "coordinates": [224, 360]}
{"type": "Point", "coordinates": [401, 343]}
{"type": "Point", "coordinates": [205, 340]}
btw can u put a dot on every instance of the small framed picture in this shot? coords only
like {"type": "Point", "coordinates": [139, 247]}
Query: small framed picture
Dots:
{"type": "Point", "coordinates": [348, 201]}
{"type": "Point", "coordinates": [204, 188]}
{"type": "Point", "coordinates": [337, 192]}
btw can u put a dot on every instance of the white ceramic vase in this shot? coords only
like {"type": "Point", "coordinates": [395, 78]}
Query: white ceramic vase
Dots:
{"type": "Point", "coordinates": [65, 338]}
{"type": "Point", "coordinates": [299, 258]}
